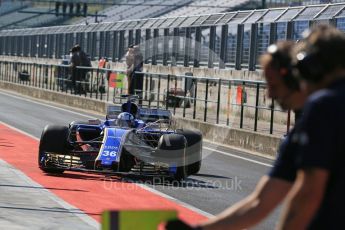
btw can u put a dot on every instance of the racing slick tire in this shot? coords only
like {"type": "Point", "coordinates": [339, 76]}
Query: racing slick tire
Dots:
{"type": "Point", "coordinates": [173, 150]}
{"type": "Point", "coordinates": [194, 149]}
{"type": "Point", "coordinates": [54, 138]}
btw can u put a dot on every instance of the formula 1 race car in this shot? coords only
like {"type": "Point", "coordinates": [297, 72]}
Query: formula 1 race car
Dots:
{"type": "Point", "coordinates": [131, 140]}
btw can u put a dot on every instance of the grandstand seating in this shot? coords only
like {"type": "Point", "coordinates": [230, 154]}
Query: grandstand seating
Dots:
{"type": "Point", "coordinates": [39, 20]}
{"type": "Point", "coordinates": [206, 7]}
{"type": "Point", "coordinates": [313, 2]}
{"type": "Point", "coordinates": [14, 19]}
{"type": "Point", "coordinates": [11, 19]}
{"type": "Point", "coordinates": [138, 9]}
{"type": "Point", "coordinates": [11, 6]}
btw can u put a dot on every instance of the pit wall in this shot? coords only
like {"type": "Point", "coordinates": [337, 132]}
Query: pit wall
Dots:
{"type": "Point", "coordinates": [251, 141]}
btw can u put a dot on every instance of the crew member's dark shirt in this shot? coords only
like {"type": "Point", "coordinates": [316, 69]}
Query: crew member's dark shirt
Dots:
{"type": "Point", "coordinates": [75, 59]}
{"type": "Point", "coordinates": [84, 59]}
{"type": "Point", "coordinates": [298, 115]}
{"type": "Point", "coordinates": [320, 137]}
{"type": "Point", "coordinates": [284, 167]}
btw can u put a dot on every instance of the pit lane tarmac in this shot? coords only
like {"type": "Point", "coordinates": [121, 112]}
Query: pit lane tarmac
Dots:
{"type": "Point", "coordinates": [30, 204]}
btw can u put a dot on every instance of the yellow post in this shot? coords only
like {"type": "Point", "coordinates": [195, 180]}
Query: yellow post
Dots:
{"type": "Point", "coordinates": [136, 219]}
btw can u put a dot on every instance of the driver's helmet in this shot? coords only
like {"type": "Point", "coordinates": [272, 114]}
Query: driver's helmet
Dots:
{"type": "Point", "coordinates": [126, 119]}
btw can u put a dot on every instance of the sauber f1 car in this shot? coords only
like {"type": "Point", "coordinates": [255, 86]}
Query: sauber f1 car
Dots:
{"type": "Point", "coordinates": [131, 140]}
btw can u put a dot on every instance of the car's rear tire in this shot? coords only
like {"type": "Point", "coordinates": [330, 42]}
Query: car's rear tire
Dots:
{"type": "Point", "coordinates": [54, 139]}
{"type": "Point", "coordinates": [194, 149]}
{"type": "Point", "coordinates": [173, 150]}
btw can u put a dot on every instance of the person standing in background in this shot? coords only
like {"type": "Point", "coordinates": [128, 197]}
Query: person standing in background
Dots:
{"type": "Point", "coordinates": [75, 74]}
{"type": "Point", "coordinates": [84, 58]}
{"type": "Point", "coordinates": [130, 66]}
{"type": "Point", "coordinates": [84, 61]}
{"type": "Point", "coordinates": [138, 78]}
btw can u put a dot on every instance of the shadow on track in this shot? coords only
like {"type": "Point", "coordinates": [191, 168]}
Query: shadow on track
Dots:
{"type": "Point", "coordinates": [147, 180]}
{"type": "Point", "coordinates": [36, 187]}
{"type": "Point", "coordinates": [211, 176]}
{"type": "Point", "coordinates": [168, 182]}
{"type": "Point", "coordinates": [47, 209]}
{"type": "Point", "coordinates": [6, 143]}
{"type": "Point", "coordinates": [84, 176]}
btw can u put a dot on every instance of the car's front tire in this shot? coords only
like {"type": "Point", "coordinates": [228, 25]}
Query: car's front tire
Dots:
{"type": "Point", "coordinates": [54, 139]}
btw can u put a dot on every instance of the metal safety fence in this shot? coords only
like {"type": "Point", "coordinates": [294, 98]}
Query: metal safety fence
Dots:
{"type": "Point", "coordinates": [236, 103]}
{"type": "Point", "coordinates": [230, 40]}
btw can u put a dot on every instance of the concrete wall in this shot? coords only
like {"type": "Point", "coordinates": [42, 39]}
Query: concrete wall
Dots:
{"type": "Point", "coordinates": [57, 97]}
{"type": "Point", "coordinates": [207, 72]}
{"type": "Point", "coordinates": [253, 141]}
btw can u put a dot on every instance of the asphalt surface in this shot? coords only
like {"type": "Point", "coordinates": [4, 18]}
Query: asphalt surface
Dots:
{"type": "Point", "coordinates": [226, 175]}
{"type": "Point", "coordinates": [24, 204]}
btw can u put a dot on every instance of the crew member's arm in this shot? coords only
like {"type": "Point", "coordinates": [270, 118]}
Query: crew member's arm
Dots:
{"type": "Point", "coordinates": [304, 199]}
{"type": "Point", "coordinates": [268, 194]}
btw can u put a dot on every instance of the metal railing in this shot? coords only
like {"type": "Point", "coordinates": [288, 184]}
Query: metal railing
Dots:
{"type": "Point", "coordinates": [235, 103]}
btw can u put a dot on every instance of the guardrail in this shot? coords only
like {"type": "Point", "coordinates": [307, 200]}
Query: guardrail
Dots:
{"type": "Point", "coordinates": [236, 103]}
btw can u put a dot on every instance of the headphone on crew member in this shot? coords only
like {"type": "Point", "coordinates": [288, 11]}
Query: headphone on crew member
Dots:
{"type": "Point", "coordinates": [323, 53]}
{"type": "Point", "coordinates": [283, 62]}
{"type": "Point", "coordinates": [311, 67]}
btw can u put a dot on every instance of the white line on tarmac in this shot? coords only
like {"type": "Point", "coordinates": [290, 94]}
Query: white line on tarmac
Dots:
{"type": "Point", "coordinates": [50, 106]}
{"type": "Point", "coordinates": [188, 206]}
{"type": "Point", "coordinates": [20, 131]}
{"type": "Point", "coordinates": [74, 210]}
{"type": "Point", "coordinates": [239, 157]}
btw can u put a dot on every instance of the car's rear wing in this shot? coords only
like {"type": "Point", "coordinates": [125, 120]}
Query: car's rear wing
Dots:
{"type": "Point", "coordinates": [145, 114]}
{"type": "Point", "coordinates": [113, 111]}
{"type": "Point", "coordinates": [152, 115]}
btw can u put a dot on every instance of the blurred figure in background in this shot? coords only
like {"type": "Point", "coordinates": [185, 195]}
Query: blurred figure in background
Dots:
{"type": "Point", "coordinates": [138, 78]}
{"type": "Point", "coordinates": [84, 58]}
{"type": "Point", "coordinates": [75, 73]}
{"type": "Point", "coordinates": [84, 61]}
{"type": "Point", "coordinates": [130, 67]}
